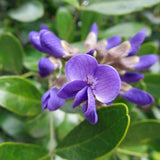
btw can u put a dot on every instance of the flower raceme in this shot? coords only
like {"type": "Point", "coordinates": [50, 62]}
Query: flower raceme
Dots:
{"type": "Point", "coordinates": [91, 76]}
{"type": "Point", "coordinates": [122, 58]}
{"type": "Point", "coordinates": [89, 81]}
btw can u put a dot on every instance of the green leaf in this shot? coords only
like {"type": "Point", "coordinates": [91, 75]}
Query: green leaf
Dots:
{"type": "Point", "coordinates": [21, 151]}
{"type": "Point", "coordinates": [34, 126]}
{"type": "Point", "coordinates": [74, 3]}
{"type": "Point", "coordinates": [31, 58]}
{"type": "Point", "coordinates": [79, 45]}
{"type": "Point", "coordinates": [88, 18]}
{"type": "Point", "coordinates": [152, 84]}
{"type": "Point", "coordinates": [11, 53]}
{"type": "Point", "coordinates": [14, 127]}
{"type": "Point", "coordinates": [147, 48]}
{"type": "Point", "coordinates": [88, 141]}
{"type": "Point", "coordinates": [27, 12]}
{"type": "Point", "coordinates": [121, 7]}
{"type": "Point", "coordinates": [67, 107]}
{"type": "Point", "coordinates": [19, 96]}
{"type": "Point", "coordinates": [64, 24]}
{"type": "Point", "coordinates": [69, 122]}
{"type": "Point", "coordinates": [142, 132]}
{"type": "Point", "coordinates": [126, 30]}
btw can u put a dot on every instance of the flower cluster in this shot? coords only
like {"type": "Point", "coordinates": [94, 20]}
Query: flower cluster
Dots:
{"type": "Point", "coordinates": [94, 78]}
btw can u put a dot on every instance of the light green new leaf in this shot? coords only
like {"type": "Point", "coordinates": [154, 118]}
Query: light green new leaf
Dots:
{"type": "Point", "coordinates": [152, 84]}
{"type": "Point", "coordinates": [142, 132]}
{"type": "Point", "coordinates": [121, 7]}
{"type": "Point", "coordinates": [64, 24]}
{"type": "Point", "coordinates": [126, 30]}
{"type": "Point", "coordinates": [27, 12]}
{"type": "Point", "coordinates": [87, 141]}
{"type": "Point", "coordinates": [11, 53]}
{"type": "Point", "coordinates": [19, 96]}
{"type": "Point", "coordinates": [21, 151]}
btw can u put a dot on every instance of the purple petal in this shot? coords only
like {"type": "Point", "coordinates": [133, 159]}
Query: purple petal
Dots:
{"type": "Point", "coordinates": [145, 62]}
{"type": "Point", "coordinates": [44, 99]}
{"type": "Point", "coordinates": [35, 40]}
{"type": "Point", "coordinates": [107, 84]}
{"type": "Point", "coordinates": [45, 67]}
{"type": "Point", "coordinates": [70, 89]}
{"type": "Point", "coordinates": [80, 66]}
{"type": "Point", "coordinates": [89, 109]}
{"type": "Point", "coordinates": [137, 96]}
{"type": "Point", "coordinates": [52, 44]}
{"type": "Point", "coordinates": [51, 101]}
{"type": "Point", "coordinates": [136, 41]}
{"type": "Point", "coordinates": [113, 41]}
{"type": "Point", "coordinates": [131, 77]}
{"type": "Point", "coordinates": [43, 26]}
{"type": "Point", "coordinates": [94, 29]}
{"type": "Point", "coordinates": [80, 97]}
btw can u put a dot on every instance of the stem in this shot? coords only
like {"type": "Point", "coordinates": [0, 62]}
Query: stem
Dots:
{"type": "Point", "coordinates": [132, 153]}
{"type": "Point", "coordinates": [29, 74]}
{"type": "Point", "coordinates": [51, 136]}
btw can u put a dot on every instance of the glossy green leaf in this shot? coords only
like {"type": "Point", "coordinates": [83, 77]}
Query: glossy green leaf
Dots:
{"type": "Point", "coordinates": [142, 132]}
{"type": "Point", "coordinates": [121, 7]}
{"type": "Point", "coordinates": [34, 126]}
{"type": "Point", "coordinates": [64, 24]}
{"type": "Point", "coordinates": [88, 141]}
{"type": "Point", "coordinates": [126, 30]}
{"type": "Point", "coordinates": [19, 96]}
{"type": "Point", "coordinates": [31, 58]}
{"type": "Point", "coordinates": [21, 151]}
{"type": "Point", "coordinates": [147, 48]}
{"type": "Point", "coordinates": [88, 18]}
{"type": "Point", "coordinates": [11, 53]}
{"type": "Point", "coordinates": [152, 82]}
{"type": "Point", "coordinates": [27, 12]}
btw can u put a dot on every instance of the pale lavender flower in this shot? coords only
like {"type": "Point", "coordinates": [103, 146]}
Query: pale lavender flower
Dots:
{"type": "Point", "coordinates": [89, 80]}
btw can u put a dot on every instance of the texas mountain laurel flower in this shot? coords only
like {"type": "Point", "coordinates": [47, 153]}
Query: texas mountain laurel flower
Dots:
{"type": "Point", "coordinates": [95, 78]}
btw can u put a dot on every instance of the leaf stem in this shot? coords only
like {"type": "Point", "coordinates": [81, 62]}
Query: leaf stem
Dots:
{"type": "Point", "coordinates": [29, 74]}
{"type": "Point", "coordinates": [51, 136]}
{"type": "Point", "coordinates": [131, 153]}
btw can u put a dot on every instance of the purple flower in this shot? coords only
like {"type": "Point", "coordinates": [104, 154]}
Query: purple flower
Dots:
{"type": "Point", "coordinates": [137, 96]}
{"type": "Point", "coordinates": [89, 80]}
{"type": "Point", "coordinates": [113, 41]}
{"type": "Point", "coordinates": [47, 42]}
{"type": "Point", "coordinates": [136, 41]}
{"type": "Point", "coordinates": [91, 39]}
{"type": "Point", "coordinates": [51, 101]}
{"type": "Point", "coordinates": [45, 67]}
{"type": "Point", "coordinates": [131, 77]}
{"type": "Point", "coordinates": [145, 62]}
